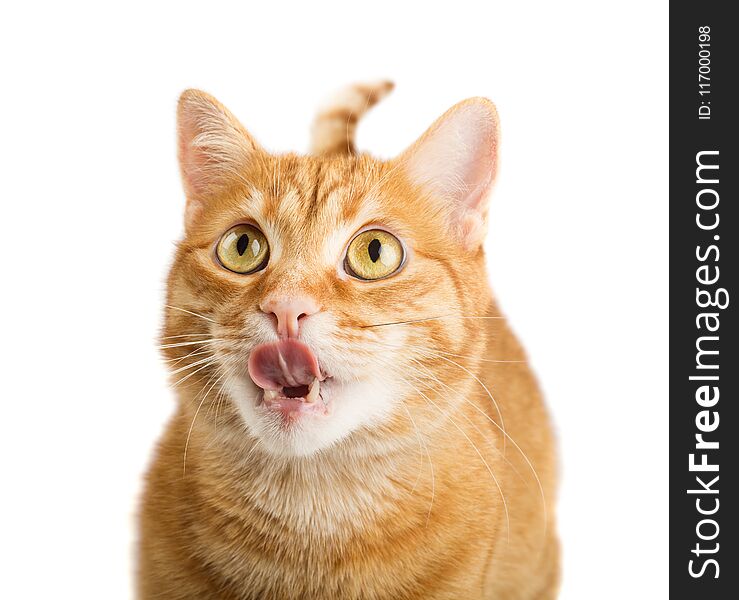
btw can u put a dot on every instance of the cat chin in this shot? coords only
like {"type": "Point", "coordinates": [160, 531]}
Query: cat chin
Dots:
{"type": "Point", "coordinates": [350, 406]}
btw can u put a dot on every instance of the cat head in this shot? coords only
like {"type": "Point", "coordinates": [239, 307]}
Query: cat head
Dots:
{"type": "Point", "coordinates": [319, 294]}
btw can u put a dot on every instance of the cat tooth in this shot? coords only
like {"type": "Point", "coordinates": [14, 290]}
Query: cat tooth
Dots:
{"type": "Point", "coordinates": [314, 391]}
{"type": "Point", "coordinates": [270, 395]}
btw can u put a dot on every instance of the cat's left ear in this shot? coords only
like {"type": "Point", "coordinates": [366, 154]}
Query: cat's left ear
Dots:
{"type": "Point", "coordinates": [213, 149]}
{"type": "Point", "coordinates": [455, 162]}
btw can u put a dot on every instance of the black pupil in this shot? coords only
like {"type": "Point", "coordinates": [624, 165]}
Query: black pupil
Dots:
{"type": "Point", "coordinates": [374, 249]}
{"type": "Point", "coordinates": [242, 244]}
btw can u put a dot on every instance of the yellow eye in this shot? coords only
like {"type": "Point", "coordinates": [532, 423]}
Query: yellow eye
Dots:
{"type": "Point", "coordinates": [243, 249]}
{"type": "Point", "coordinates": [374, 254]}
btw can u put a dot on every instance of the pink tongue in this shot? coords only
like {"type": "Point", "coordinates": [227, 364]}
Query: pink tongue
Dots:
{"type": "Point", "coordinates": [287, 363]}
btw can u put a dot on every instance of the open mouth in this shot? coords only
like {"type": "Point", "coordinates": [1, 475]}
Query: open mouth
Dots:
{"type": "Point", "coordinates": [290, 377]}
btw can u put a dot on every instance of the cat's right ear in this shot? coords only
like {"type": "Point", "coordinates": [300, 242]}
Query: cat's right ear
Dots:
{"type": "Point", "coordinates": [212, 148]}
{"type": "Point", "coordinates": [455, 163]}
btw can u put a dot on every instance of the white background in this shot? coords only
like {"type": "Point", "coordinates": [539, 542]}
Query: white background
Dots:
{"type": "Point", "coordinates": [91, 206]}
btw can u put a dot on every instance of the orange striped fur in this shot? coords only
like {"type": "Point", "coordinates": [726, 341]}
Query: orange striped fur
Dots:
{"type": "Point", "coordinates": [447, 491]}
{"type": "Point", "coordinates": [335, 125]}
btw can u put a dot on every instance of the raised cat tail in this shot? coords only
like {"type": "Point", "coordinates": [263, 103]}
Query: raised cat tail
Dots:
{"type": "Point", "coordinates": [336, 123]}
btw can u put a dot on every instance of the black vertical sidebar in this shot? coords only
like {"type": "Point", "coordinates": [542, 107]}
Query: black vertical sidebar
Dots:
{"type": "Point", "coordinates": [704, 263]}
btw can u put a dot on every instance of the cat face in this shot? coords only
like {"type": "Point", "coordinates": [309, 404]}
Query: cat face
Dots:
{"type": "Point", "coordinates": [312, 285]}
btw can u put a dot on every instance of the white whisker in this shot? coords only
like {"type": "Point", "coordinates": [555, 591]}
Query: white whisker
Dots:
{"type": "Point", "coordinates": [422, 444]}
{"type": "Point", "coordinates": [182, 344]}
{"type": "Point", "coordinates": [186, 335]}
{"type": "Point", "coordinates": [192, 424]}
{"type": "Point", "coordinates": [426, 319]}
{"type": "Point", "coordinates": [482, 458]}
{"type": "Point", "coordinates": [189, 312]}
{"type": "Point", "coordinates": [186, 377]}
{"type": "Point", "coordinates": [196, 352]}
{"type": "Point", "coordinates": [196, 363]}
{"type": "Point", "coordinates": [506, 436]}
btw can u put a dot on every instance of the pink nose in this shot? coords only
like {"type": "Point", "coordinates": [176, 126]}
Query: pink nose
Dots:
{"type": "Point", "coordinates": [290, 312]}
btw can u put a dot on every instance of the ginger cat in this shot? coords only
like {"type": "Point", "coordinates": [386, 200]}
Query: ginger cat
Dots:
{"type": "Point", "coordinates": [355, 418]}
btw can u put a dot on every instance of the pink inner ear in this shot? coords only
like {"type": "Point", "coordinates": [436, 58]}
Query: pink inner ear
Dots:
{"type": "Point", "coordinates": [197, 117]}
{"type": "Point", "coordinates": [190, 159]}
{"type": "Point", "coordinates": [212, 144]}
{"type": "Point", "coordinates": [189, 163]}
{"type": "Point", "coordinates": [481, 158]}
{"type": "Point", "coordinates": [456, 158]}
